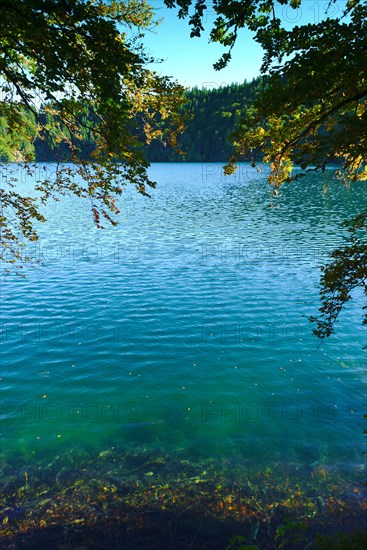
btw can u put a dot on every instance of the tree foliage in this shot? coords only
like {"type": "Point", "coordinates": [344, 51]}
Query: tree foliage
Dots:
{"type": "Point", "coordinates": [211, 115]}
{"type": "Point", "coordinates": [74, 68]}
{"type": "Point", "coordinates": [313, 110]}
{"type": "Point", "coordinates": [215, 114]}
{"type": "Point", "coordinates": [311, 113]}
{"type": "Point", "coordinates": [346, 272]}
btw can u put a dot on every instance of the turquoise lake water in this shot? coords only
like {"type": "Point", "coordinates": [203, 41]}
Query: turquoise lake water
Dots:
{"type": "Point", "coordinates": [185, 329]}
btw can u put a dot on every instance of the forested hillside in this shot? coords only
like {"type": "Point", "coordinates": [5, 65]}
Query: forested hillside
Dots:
{"type": "Point", "coordinates": [211, 114]}
{"type": "Point", "coordinates": [215, 113]}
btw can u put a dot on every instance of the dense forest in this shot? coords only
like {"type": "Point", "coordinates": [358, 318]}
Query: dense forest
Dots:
{"type": "Point", "coordinates": [215, 113]}
{"type": "Point", "coordinates": [212, 115]}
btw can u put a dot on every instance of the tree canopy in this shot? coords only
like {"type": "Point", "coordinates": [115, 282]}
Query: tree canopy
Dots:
{"type": "Point", "coordinates": [313, 110]}
{"type": "Point", "coordinates": [70, 69]}
{"type": "Point", "coordinates": [311, 113]}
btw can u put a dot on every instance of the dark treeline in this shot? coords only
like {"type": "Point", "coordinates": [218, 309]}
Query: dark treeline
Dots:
{"type": "Point", "coordinates": [212, 115]}
{"type": "Point", "coordinates": [215, 113]}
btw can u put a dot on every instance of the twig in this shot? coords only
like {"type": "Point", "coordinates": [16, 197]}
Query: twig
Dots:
{"type": "Point", "coordinates": [196, 534]}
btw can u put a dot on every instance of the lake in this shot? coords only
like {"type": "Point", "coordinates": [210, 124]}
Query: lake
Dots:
{"type": "Point", "coordinates": [183, 335]}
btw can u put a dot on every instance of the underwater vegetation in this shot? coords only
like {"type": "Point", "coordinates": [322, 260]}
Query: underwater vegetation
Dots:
{"type": "Point", "coordinates": [142, 498]}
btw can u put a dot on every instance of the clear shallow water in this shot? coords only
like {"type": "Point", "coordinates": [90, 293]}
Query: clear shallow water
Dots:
{"type": "Point", "coordinates": [185, 329]}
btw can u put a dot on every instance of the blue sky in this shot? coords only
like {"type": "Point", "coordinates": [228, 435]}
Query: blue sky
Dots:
{"type": "Point", "coordinates": [190, 60]}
